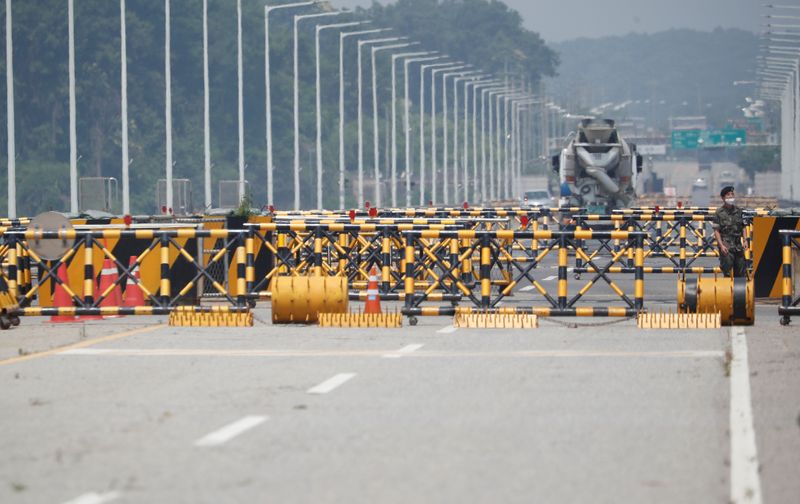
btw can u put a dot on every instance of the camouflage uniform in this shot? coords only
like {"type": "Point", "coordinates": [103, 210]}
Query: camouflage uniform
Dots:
{"type": "Point", "coordinates": [730, 223]}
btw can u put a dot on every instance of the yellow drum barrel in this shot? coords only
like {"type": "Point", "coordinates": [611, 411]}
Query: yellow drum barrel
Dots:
{"type": "Point", "coordinates": [733, 298]}
{"type": "Point", "coordinates": [300, 299]}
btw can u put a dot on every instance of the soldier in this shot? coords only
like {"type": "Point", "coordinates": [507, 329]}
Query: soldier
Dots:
{"type": "Point", "coordinates": [729, 231]}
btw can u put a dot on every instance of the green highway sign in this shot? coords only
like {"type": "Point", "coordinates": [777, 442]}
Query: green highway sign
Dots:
{"type": "Point", "coordinates": [694, 138]}
{"type": "Point", "coordinates": [686, 139]}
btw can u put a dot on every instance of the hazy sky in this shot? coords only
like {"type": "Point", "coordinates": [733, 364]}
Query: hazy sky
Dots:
{"type": "Point", "coordinates": [558, 20]}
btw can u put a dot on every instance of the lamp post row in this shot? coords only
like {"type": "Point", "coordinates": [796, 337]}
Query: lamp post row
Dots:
{"type": "Point", "coordinates": [448, 69]}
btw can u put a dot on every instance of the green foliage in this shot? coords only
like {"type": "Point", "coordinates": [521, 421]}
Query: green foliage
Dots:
{"type": "Point", "coordinates": [245, 208]}
{"type": "Point", "coordinates": [485, 33]}
{"type": "Point", "coordinates": [760, 158]}
{"type": "Point", "coordinates": [482, 32]}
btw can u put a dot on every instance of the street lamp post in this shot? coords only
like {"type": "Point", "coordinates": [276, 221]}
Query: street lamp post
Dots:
{"type": "Point", "coordinates": [422, 126]}
{"type": "Point", "coordinates": [393, 113]}
{"type": "Point", "coordinates": [375, 127]}
{"type": "Point", "coordinates": [206, 116]}
{"type": "Point", "coordinates": [10, 131]}
{"type": "Point", "coordinates": [240, 95]}
{"type": "Point", "coordinates": [317, 32]}
{"type": "Point", "coordinates": [267, 86]}
{"type": "Point", "coordinates": [73, 143]}
{"type": "Point", "coordinates": [406, 121]}
{"type": "Point", "coordinates": [360, 45]}
{"type": "Point", "coordinates": [342, 37]}
{"type": "Point", "coordinates": [296, 95]}
{"type": "Point", "coordinates": [126, 190]}
{"type": "Point", "coordinates": [434, 133]}
{"type": "Point", "coordinates": [168, 106]}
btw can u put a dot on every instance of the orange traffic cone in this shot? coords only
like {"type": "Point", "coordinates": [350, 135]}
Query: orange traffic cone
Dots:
{"type": "Point", "coordinates": [373, 304]}
{"type": "Point", "coordinates": [133, 293]}
{"type": "Point", "coordinates": [60, 297]}
{"type": "Point", "coordinates": [108, 277]}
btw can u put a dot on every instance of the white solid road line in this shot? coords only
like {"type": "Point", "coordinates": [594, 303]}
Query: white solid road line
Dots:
{"type": "Point", "coordinates": [230, 431]}
{"type": "Point", "coordinates": [745, 481]}
{"type": "Point", "coordinates": [331, 383]}
{"type": "Point", "coordinates": [447, 330]}
{"type": "Point", "coordinates": [95, 498]}
{"type": "Point", "coordinates": [405, 350]}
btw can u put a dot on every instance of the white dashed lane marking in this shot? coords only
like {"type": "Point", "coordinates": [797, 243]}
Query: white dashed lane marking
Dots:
{"type": "Point", "coordinates": [230, 431]}
{"type": "Point", "coordinates": [331, 383]}
{"type": "Point", "coordinates": [447, 330]}
{"type": "Point", "coordinates": [95, 498]}
{"type": "Point", "coordinates": [405, 350]}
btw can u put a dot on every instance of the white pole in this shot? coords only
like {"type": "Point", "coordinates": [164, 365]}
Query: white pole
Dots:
{"type": "Point", "coordinates": [168, 106]}
{"type": "Point", "coordinates": [341, 122]}
{"type": "Point", "coordinates": [319, 116]}
{"type": "Point", "coordinates": [407, 132]}
{"type": "Point", "coordinates": [407, 119]}
{"type": "Point", "coordinates": [342, 37]}
{"type": "Point", "coordinates": [445, 192]}
{"type": "Point", "coordinates": [296, 96]}
{"type": "Point", "coordinates": [317, 34]}
{"type": "Point", "coordinates": [73, 141]}
{"type": "Point", "coordinates": [240, 75]}
{"type": "Point", "coordinates": [375, 122]}
{"type": "Point", "coordinates": [126, 199]}
{"type": "Point", "coordinates": [10, 131]}
{"type": "Point", "coordinates": [360, 139]}
{"type": "Point", "coordinates": [455, 139]}
{"type": "Point", "coordinates": [498, 159]}
{"type": "Point", "coordinates": [422, 134]}
{"type": "Point", "coordinates": [466, 140]}
{"type": "Point", "coordinates": [206, 114]}
{"type": "Point", "coordinates": [267, 82]}
{"type": "Point", "coordinates": [361, 44]}
{"type": "Point", "coordinates": [483, 144]}
{"type": "Point", "coordinates": [375, 132]}
{"type": "Point", "coordinates": [433, 136]}
{"type": "Point", "coordinates": [475, 185]}
{"type": "Point", "coordinates": [394, 130]}
{"type": "Point", "coordinates": [296, 117]}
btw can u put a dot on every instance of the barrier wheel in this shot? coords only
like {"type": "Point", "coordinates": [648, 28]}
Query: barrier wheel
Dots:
{"type": "Point", "coordinates": [14, 319]}
{"type": "Point", "coordinates": [412, 321]}
{"type": "Point", "coordinates": [785, 320]}
{"type": "Point", "coordinates": [577, 276]}
{"type": "Point", "coordinates": [4, 322]}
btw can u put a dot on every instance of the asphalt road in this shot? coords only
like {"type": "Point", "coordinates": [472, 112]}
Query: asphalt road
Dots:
{"type": "Point", "coordinates": [131, 410]}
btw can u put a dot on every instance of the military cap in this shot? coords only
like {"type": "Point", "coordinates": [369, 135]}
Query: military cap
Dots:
{"type": "Point", "coordinates": [725, 190]}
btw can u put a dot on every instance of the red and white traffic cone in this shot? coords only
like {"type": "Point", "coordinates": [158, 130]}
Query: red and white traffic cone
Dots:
{"type": "Point", "coordinates": [108, 277]}
{"type": "Point", "coordinates": [133, 293]}
{"type": "Point", "coordinates": [61, 299]}
{"type": "Point", "coordinates": [373, 304]}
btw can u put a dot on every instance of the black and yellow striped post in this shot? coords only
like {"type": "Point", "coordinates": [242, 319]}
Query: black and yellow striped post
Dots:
{"type": "Point", "coordinates": [317, 269]}
{"type": "Point", "coordinates": [562, 271]}
{"type": "Point", "coordinates": [638, 275]}
{"type": "Point", "coordinates": [786, 297]}
{"type": "Point", "coordinates": [250, 273]}
{"type": "Point", "coordinates": [409, 269]}
{"type": "Point", "coordinates": [466, 261]}
{"type": "Point", "coordinates": [682, 245]}
{"type": "Point", "coordinates": [486, 270]}
{"type": "Point", "coordinates": [88, 270]}
{"type": "Point", "coordinates": [386, 260]}
{"type": "Point", "coordinates": [165, 288]}
{"type": "Point", "coordinates": [12, 268]}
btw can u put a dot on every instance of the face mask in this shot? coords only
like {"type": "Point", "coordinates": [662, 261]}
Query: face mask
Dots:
{"type": "Point", "coordinates": [730, 201]}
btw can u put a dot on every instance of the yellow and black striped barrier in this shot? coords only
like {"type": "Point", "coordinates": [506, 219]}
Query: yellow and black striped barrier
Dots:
{"type": "Point", "coordinates": [790, 266]}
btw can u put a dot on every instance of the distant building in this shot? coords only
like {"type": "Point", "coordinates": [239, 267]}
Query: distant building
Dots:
{"type": "Point", "coordinates": [688, 123]}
